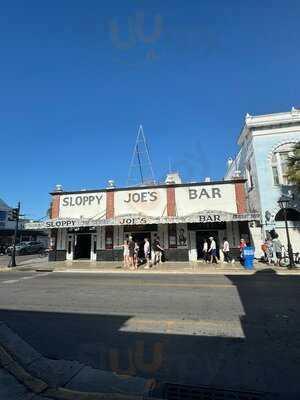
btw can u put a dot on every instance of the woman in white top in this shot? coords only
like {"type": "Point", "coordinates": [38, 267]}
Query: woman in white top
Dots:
{"type": "Point", "coordinates": [226, 250]}
{"type": "Point", "coordinates": [125, 253]}
{"type": "Point", "coordinates": [205, 250]}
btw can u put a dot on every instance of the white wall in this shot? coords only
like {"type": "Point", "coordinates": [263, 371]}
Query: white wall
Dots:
{"type": "Point", "coordinates": [86, 205]}
{"type": "Point", "coordinates": [208, 197]}
{"type": "Point", "coordinates": [151, 202]}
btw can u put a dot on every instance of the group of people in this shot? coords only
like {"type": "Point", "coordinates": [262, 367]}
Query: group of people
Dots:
{"type": "Point", "coordinates": [272, 250]}
{"type": "Point", "coordinates": [131, 250]}
{"type": "Point", "coordinates": [210, 251]}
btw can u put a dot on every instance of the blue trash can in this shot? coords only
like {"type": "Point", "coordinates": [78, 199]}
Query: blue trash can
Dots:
{"type": "Point", "coordinates": [248, 257]}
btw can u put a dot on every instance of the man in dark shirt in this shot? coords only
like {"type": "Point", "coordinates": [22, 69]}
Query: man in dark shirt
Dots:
{"type": "Point", "coordinates": [157, 250]}
{"type": "Point", "coordinates": [131, 248]}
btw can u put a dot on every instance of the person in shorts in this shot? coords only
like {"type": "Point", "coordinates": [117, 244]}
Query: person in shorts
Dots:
{"type": "Point", "coordinates": [226, 250]}
{"type": "Point", "coordinates": [157, 250]}
{"type": "Point", "coordinates": [205, 251]}
{"type": "Point", "coordinates": [147, 252]}
{"type": "Point", "coordinates": [277, 249]}
{"type": "Point", "coordinates": [213, 251]}
{"type": "Point", "coordinates": [131, 250]}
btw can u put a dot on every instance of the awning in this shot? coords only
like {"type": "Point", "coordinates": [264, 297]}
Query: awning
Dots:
{"type": "Point", "coordinates": [139, 219]}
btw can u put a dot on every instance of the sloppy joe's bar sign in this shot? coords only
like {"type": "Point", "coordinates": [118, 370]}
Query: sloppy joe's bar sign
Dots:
{"type": "Point", "coordinates": [86, 205]}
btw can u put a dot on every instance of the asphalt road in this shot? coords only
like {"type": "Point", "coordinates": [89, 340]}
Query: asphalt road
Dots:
{"type": "Point", "coordinates": [239, 332]}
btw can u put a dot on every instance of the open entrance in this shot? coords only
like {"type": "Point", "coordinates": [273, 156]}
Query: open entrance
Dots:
{"type": "Point", "coordinates": [139, 237]}
{"type": "Point", "coordinates": [83, 246]}
{"type": "Point", "coordinates": [201, 236]}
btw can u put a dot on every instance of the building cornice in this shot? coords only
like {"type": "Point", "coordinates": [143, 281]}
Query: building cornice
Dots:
{"type": "Point", "coordinates": [162, 186]}
{"type": "Point", "coordinates": [271, 121]}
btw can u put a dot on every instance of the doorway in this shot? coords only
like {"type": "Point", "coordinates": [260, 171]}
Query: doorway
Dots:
{"type": "Point", "coordinates": [204, 235]}
{"type": "Point", "coordinates": [83, 246]}
{"type": "Point", "coordinates": [138, 237]}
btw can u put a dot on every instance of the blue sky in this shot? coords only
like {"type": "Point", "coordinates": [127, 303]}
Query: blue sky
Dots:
{"type": "Point", "coordinates": [75, 85]}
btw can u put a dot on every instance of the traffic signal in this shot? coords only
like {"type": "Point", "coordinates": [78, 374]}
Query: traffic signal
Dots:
{"type": "Point", "coordinates": [14, 214]}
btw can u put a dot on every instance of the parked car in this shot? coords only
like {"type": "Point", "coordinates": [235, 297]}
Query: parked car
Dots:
{"type": "Point", "coordinates": [27, 248]}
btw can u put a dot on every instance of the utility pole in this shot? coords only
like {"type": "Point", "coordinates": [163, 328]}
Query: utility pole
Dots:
{"type": "Point", "coordinates": [15, 215]}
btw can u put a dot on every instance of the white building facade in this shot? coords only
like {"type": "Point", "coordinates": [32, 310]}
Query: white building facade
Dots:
{"type": "Point", "coordinates": [266, 142]}
{"type": "Point", "coordinates": [93, 224]}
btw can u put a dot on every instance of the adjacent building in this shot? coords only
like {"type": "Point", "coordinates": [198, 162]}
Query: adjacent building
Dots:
{"type": "Point", "coordinates": [7, 228]}
{"type": "Point", "coordinates": [266, 142]}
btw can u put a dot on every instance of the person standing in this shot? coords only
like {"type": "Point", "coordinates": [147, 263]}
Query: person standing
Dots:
{"type": "Point", "coordinates": [131, 249]}
{"type": "Point", "coordinates": [205, 251]}
{"type": "Point", "coordinates": [157, 250]}
{"type": "Point", "coordinates": [147, 252]}
{"type": "Point", "coordinates": [242, 246]}
{"type": "Point", "coordinates": [213, 250]}
{"type": "Point", "coordinates": [136, 255]}
{"type": "Point", "coordinates": [226, 250]}
{"type": "Point", "coordinates": [277, 249]}
{"type": "Point", "coordinates": [264, 248]}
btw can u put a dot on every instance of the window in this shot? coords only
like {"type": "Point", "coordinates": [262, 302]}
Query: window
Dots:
{"type": "Point", "coordinates": [279, 163]}
{"type": "Point", "coordinates": [249, 176]}
{"type": "Point", "coordinates": [2, 215]}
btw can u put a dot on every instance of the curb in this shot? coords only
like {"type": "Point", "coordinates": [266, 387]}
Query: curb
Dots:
{"type": "Point", "coordinates": [218, 272]}
{"type": "Point", "coordinates": [8, 361]}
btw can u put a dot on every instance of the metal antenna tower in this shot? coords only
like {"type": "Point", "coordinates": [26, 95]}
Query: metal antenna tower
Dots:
{"type": "Point", "coordinates": [140, 170]}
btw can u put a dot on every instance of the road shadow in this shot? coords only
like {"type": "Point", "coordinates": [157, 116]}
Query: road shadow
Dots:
{"type": "Point", "coordinates": [264, 357]}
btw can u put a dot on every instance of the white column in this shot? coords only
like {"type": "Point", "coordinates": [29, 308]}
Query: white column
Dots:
{"type": "Point", "coordinates": [70, 246]}
{"type": "Point", "coordinates": [116, 235]}
{"type": "Point", "coordinates": [235, 234]}
{"type": "Point", "coordinates": [256, 238]}
{"type": "Point", "coordinates": [229, 233]}
{"type": "Point", "coordinates": [192, 246]}
{"type": "Point", "coordinates": [93, 248]}
{"type": "Point", "coordinates": [163, 235]}
{"type": "Point", "coordinates": [221, 235]}
{"type": "Point", "coordinates": [98, 229]}
{"type": "Point", "coordinates": [61, 239]}
{"type": "Point", "coordinates": [121, 235]}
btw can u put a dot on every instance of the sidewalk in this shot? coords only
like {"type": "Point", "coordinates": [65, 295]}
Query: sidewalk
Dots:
{"type": "Point", "coordinates": [80, 266]}
{"type": "Point", "coordinates": [26, 375]}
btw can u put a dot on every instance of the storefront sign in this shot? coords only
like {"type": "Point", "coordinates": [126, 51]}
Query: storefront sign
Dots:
{"type": "Point", "coordinates": [133, 221]}
{"type": "Point", "coordinates": [73, 201]}
{"type": "Point", "coordinates": [206, 193]}
{"type": "Point", "coordinates": [85, 205]}
{"type": "Point", "coordinates": [151, 203]}
{"type": "Point", "coordinates": [141, 197]}
{"type": "Point", "coordinates": [193, 199]}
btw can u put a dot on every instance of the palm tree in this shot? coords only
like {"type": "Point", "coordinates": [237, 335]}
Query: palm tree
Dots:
{"type": "Point", "coordinates": [294, 166]}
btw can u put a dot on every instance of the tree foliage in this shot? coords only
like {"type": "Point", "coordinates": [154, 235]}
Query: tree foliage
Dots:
{"type": "Point", "coordinates": [294, 166]}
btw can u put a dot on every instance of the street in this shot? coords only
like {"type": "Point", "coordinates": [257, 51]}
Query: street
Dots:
{"type": "Point", "coordinates": [239, 332]}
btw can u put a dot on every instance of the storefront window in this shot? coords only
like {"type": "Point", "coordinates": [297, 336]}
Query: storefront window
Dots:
{"type": "Point", "coordinates": [279, 164]}
{"type": "Point", "coordinates": [172, 236]}
{"type": "Point", "coordinates": [2, 215]}
{"type": "Point", "coordinates": [249, 176]}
